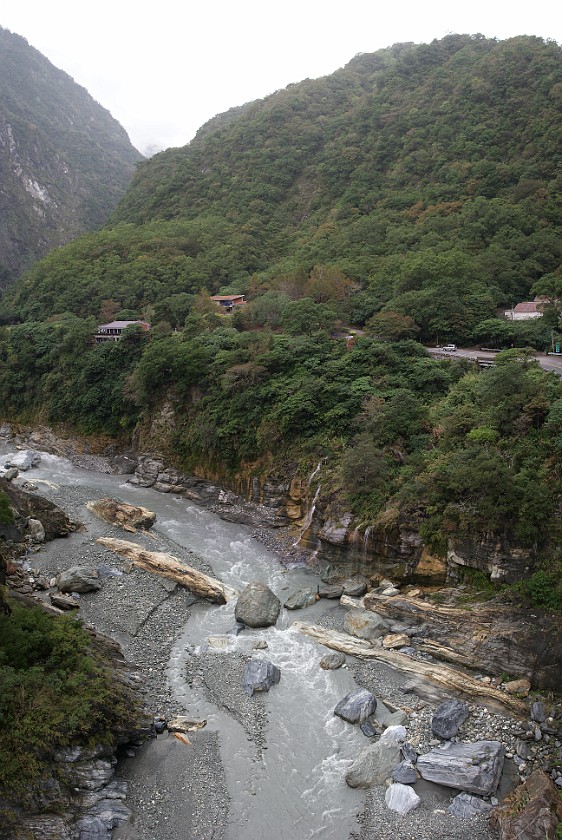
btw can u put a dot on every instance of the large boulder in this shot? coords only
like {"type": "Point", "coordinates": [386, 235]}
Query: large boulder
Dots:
{"type": "Point", "coordinates": [532, 812]}
{"type": "Point", "coordinates": [365, 625]}
{"type": "Point", "coordinates": [448, 718]}
{"type": "Point", "coordinates": [373, 765]}
{"type": "Point", "coordinates": [79, 579]}
{"type": "Point", "coordinates": [260, 675]}
{"type": "Point", "coordinates": [257, 606]}
{"type": "Point", "coordinates": [23, 460]}
{"type": "Point", "coordinates": [128, 517]}
{"type": "Point", "coordinates": [474, 768]}
{"type": "Point", "coordinates": [356, 706]}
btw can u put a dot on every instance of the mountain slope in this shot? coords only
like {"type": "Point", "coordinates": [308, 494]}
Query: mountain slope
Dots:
{"type": "Point", "coordinates": [416, 171]}
{"type": "Point", "coordinates": [64, 161]}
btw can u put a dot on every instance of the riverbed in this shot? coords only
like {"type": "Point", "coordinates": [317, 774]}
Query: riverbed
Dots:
{"type": "Point", "coordinates": [263, 768]}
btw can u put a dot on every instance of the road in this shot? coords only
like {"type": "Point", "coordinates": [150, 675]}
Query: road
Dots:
{"type": "Point", "coordinates": [550, 363]}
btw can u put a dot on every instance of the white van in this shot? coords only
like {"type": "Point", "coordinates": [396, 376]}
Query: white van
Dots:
{"type": "Point", "coordinates": [449, 348]}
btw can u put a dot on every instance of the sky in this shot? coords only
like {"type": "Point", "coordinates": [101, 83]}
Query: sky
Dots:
{"type": "Point", "coordinates": [164, 68]}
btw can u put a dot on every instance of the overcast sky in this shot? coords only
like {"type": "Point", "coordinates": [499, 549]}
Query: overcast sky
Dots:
{"type": "Point", "coordinates": [164, 68]}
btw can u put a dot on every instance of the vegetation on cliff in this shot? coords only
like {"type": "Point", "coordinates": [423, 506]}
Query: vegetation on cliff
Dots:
{"type": "Point", "coordinates": [56, 692]}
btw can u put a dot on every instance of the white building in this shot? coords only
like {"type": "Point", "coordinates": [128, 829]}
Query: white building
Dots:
{"type": "Point", "coordinates": [525, 311]}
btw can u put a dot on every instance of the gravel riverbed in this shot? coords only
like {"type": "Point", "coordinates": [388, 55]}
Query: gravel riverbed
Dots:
{"type": "Point", "coordinates": [178, 792]}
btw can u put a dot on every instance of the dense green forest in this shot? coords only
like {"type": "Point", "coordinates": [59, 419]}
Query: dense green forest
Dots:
{"type": "Point", "coordinates": [407, 198]}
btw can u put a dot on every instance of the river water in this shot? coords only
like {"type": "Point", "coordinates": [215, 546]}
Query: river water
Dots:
{"type": "Point", "coordinates": [295, 788]}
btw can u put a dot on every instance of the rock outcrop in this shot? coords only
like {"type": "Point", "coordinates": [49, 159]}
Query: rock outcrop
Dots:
{"type": "Point", "coordinates": [532, 812]}
{"type": "Point", "coordinates": [489, 638]}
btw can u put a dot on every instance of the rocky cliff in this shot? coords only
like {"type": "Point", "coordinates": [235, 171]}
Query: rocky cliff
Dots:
{"type": "Point", "coordinates": [64, 161]}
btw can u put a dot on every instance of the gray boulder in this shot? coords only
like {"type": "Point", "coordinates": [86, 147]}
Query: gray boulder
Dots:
{"type": "Point", "coordinates": [355, 587]}
{"type": "Point", "coordinates": [92, 828]}
{"type": "Point", "coordinates": [405, 773]}
{"type": "Point", "coordinates": [63, 602]}
{"type": "Point", "coordinates": [301, 599]}
{"type": "Point", "coordinates": [474, 768]}
{"type": "Point", "coordinates": [538, 711]}
{"type": "Point", "coordinates": [401, 798]}
{"type": "Point", "coordinates": [332, 591]}
{"type": "Point", "coordinates": [79, 579]}
{"type": "Point", "coordinates": [397, 718]}
{"type": "Point", "coordinates": [373, 765]}
{"type": "Point", "coordinates": [24, 460]}
{"type": "Point", "coordinates": [448, 718]}
{"type": "Point", "coordinates": [356, 706]}
{"type": "Point", "coordinates": [466, 806]}
{"type": "Point", "coordinates": [257, 606]}
{"type": "Point", "coordinates": [35, 531]}
{"type": "Point", "coordinates": [365, 625]}
{"type": "Point", "coordinates": [332, 661]}
{"type": "Point", "coordinates": [409, 752]}
{"type": "Point", "coordinates": [260, 675]}
{"type": "Point", "coordinates": [9, 474]}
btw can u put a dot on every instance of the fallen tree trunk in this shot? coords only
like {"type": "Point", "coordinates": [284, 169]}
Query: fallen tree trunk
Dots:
{"type": "Point", "coordinates": [168, 566]}
{"type": "Point", "coordinates": [442, 675]}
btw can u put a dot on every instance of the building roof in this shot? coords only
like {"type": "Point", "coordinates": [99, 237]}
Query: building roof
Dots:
{"type": "Point", "coordinates": [225, 297]}
{"type": "Point", "coordinates": [533, 306]}
{"type": "Point", "coordinates": [120, 325]}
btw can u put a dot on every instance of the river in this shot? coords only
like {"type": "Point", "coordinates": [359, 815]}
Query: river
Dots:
{"type": "Point", "coordinates": [295, 786]}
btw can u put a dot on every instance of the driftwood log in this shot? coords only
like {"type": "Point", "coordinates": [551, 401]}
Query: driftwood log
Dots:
{"type": "Point", "coordinates": [168, 566]}
{"type": "Point", "coordinates": [128, 517]}
{"type": "Point", "coordinates": [442, 675]}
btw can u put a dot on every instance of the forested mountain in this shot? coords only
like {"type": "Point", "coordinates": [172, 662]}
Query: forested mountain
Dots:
{"type": "Point", "coordinates": [427, 175]}
{"type": "Point", "coordinates": [410, 195]}
{"type": "Point", "coordinates": [64, 161]}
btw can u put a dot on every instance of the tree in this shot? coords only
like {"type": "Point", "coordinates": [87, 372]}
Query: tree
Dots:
{"type": "Point", "coordinates": [391, 326]}
{"type": "Point", "coordinates": [494, 332]}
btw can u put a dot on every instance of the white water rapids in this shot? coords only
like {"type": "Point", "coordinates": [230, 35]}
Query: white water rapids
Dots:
{"type": "Point", "coordinates": [295, 788]}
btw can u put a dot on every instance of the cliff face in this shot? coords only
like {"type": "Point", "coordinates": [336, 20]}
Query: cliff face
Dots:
{"type": "Point", "coordinates": [64, 161]}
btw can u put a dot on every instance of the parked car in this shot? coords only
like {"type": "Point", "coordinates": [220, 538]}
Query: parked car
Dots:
{"type": "Point", "coordinates": [449, 348]}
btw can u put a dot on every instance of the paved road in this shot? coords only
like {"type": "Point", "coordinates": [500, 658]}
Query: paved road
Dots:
{"type": "Point", "coordinates": [550, 363]}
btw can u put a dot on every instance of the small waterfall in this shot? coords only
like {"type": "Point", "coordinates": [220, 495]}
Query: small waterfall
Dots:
{"type": "Point", "coordinates": [366, 538]}
{"type": "Point", "coordinates": [310, 509]}
{"type": "Point", "coordinates": [309, 516]}
{"type": "Point", "coordinates": [315, 471]}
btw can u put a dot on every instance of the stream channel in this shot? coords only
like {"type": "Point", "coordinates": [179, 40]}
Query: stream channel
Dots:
{"type": "Point", "coordinates": [294, 787]}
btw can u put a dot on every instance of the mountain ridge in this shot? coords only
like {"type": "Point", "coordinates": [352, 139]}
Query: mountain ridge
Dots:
{"type": "Point", "coordinates": [64, 160]}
